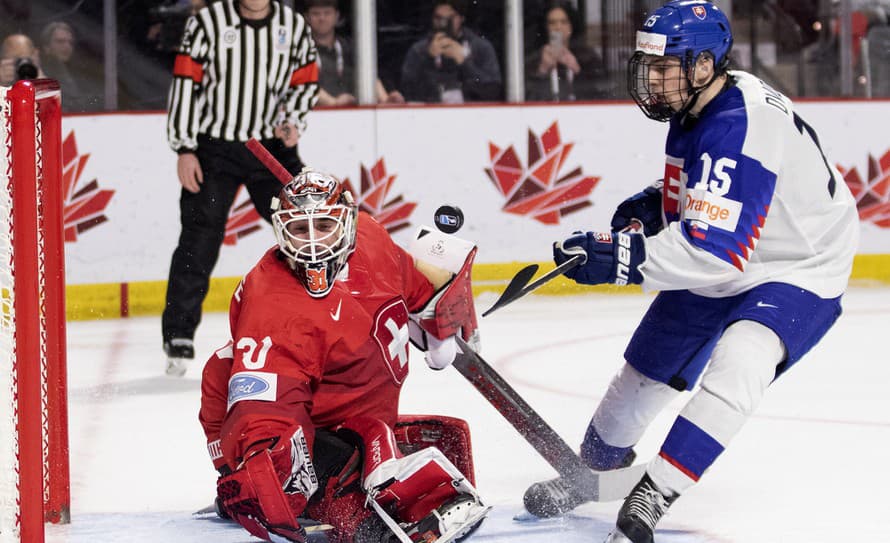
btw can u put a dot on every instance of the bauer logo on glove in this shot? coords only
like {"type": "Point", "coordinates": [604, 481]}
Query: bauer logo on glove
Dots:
{"type": "Point", "coordinates": [607, 261]}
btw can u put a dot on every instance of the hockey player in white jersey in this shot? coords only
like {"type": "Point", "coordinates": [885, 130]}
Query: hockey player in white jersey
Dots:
{"type": "Point", "coordinates": [750, 239]}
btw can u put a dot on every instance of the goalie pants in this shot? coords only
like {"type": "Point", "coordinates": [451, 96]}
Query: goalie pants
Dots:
{"type": "Point", "coordinates": [226, 166]}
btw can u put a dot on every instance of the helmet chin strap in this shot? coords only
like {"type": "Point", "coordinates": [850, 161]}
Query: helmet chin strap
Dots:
{"type": "Point", "coordinates": [695, 92]}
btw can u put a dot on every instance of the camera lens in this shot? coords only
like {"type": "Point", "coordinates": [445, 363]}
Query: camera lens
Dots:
{"type": "Point", "coordinates": [25, 69]}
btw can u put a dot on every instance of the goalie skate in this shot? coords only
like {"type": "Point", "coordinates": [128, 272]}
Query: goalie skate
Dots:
{"type": "Point", "coordinates": [451, 521]}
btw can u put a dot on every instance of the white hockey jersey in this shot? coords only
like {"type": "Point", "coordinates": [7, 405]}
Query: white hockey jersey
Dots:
{"type": "Point", "coordinates": [749, 198]}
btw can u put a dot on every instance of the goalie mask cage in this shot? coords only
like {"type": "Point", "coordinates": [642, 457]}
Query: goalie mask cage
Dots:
{"type": "Point", "coordinates": [34, 483]}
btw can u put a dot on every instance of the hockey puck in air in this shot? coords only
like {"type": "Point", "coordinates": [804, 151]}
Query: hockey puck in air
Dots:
{"type": "Point", "coordinates": [449, 219]}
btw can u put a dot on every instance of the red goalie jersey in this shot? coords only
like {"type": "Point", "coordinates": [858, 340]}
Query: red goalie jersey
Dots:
{"type": "Point", "coordinates": [302, 361]}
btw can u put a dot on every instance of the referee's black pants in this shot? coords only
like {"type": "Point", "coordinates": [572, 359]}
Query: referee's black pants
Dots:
{"type": "Point", "coordinates": [226, 165]}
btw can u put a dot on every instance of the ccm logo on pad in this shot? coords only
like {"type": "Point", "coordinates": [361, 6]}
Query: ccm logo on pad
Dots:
{"type": "Point", "coordinates": [716, 211]}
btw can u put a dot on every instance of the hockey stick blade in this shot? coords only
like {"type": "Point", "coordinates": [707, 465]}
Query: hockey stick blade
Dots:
{"type": "Point", "coordinates": [518, 288]}
{"type": "Point", "coordinates": [516, 284]}
{"type": "Point", "coordinates": [594, 486]}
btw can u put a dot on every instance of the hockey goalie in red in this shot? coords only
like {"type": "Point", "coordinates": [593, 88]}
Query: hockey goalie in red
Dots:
{"type": "Point", "coordinates": [300, 409]}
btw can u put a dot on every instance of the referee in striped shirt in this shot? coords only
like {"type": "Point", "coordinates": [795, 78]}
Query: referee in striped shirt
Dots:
{"type": "Point", "coordinates": [245, 69]}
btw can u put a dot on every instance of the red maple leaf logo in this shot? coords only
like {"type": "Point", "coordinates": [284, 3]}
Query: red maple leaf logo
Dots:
{"type": "Point", "coordinates": [540, 191]}
{"type": "Point", "coordinates": [376, 183]}
{"type": "Point", "coordinates": [84, 206]}
{"type": "Point", "coordinates": [872, 196]}
{"type": "Point", "coordinates": [243, 220]}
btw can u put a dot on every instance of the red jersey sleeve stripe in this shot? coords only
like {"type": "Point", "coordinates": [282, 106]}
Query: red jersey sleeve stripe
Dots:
{"type": "Point", "coordinates": [306, 74]}
{"type": "Point", "coordinates": [186, 66]}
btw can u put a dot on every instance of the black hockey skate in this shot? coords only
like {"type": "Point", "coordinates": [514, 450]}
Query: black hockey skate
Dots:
{"type": "Point", "coordinates": [640, 513]}
{"type": "Point", "coordinates": [559, 496]}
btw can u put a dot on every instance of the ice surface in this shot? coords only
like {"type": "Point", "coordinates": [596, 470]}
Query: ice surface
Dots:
{"type": "Point", "coordinates": [809, 467]}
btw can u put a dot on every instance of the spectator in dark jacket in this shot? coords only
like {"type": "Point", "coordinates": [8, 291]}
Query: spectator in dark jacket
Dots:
{"type": "Point", "coordinates": [452, 65]}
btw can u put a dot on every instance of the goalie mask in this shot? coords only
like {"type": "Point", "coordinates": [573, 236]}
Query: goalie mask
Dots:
{"type": "Point", "coordinates": [674, 38]}
{"type": "Point", "coordinates": [315, 223]}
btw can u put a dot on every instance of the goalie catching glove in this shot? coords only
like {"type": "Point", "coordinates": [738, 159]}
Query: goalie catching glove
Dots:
{"type": "Point", "coordinates": [607, 257]}
{"type": "Point", "coordinates": [447, 262]}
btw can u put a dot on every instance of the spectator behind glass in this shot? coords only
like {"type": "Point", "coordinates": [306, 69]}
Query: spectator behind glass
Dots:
{"type": "Point", "coordinates": [453, 65]}
{"type": "Point", "coordinates": [563, 68]}
{"type": "Point", "coordinates": [19, 59]}
{"type": "Point", "coordinates": [57, 42]}
{"type": "Point", "coordinates": [336, 59]}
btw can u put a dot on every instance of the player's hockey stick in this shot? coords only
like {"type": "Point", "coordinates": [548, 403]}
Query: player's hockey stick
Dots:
{"type": "Point", "coordinates": [593, 486]}
{"type": "Point", "coordinates": [518, 287]}
{"type": "Point", "coordinates": [265, 157]}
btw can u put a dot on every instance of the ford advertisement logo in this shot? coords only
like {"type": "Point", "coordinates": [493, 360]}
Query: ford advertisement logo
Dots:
{"type": "Point", "coordinates": [244, 386]}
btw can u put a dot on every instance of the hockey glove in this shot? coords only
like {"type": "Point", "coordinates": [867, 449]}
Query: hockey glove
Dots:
{"type": "Point", "coordinates": [610, 257]}
{"type": "Point", "coordinates": [643, 206]}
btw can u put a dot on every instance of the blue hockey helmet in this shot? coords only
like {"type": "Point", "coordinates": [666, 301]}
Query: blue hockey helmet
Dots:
{"type": "Point", "coordinates": [685, 29]}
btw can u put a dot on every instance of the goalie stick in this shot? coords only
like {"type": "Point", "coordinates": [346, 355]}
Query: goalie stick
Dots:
{"type": "Point", "coordinates": [316, 532]}
{"type": "Point", "coordinates": [270, 162]}
{"type": "Point", "coordinates": [519, 287]}
{"type": "Point", "coordinates": [593, 486]}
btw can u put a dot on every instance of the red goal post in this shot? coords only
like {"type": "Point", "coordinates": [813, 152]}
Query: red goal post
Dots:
{"type": "Point", "coordinates": [34, 473]}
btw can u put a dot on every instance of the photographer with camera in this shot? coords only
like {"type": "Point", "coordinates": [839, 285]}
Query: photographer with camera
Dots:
{"type": "Point", "coordinates": [453, 65]}
{"type": "Point", "coordinates": [19, 60]}
{"type": "Point", "coordinates": [563, 68]}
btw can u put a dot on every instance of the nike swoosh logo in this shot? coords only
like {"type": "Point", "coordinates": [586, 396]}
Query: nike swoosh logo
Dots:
{"type": "Point", "coordinates": [336, 315]}
{"type": "Point", "coordinates": [761, 304]}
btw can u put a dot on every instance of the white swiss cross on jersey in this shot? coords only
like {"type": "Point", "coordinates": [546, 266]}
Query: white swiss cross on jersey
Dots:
{"type": "Point", "coordinates": [391, 334]}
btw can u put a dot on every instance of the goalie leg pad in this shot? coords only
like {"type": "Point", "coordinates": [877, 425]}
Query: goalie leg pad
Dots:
{"type": "Point", "coordinates": [424, 498]}
{"type": "Point", "coordinates": [254, 497]}
{"type": "Point", "coordinates": [423, 490]}
{"type": "Point", "coordinates": [448, 434]}
{"type": "Point", "coordinates": [340, 500]}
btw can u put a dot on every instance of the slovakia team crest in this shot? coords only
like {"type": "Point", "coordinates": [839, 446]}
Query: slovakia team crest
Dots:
{"type": "Point", "coordinates": [700, 12]}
